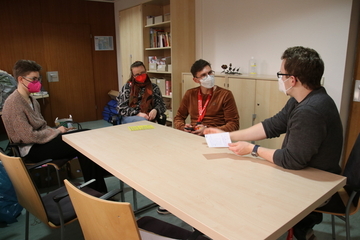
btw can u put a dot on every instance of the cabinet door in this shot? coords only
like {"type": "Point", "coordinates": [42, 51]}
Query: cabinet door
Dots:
{"type": "Point", "coordinates": [269, 101]}
{"type": "Point", "coordinates": [131, 39]}
{"type": "Point", "coordinates": [244, 94]}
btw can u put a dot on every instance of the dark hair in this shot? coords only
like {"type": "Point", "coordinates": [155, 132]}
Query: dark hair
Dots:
{"type": "Point", "coordinates": [134, 65]}
{"type": "Point", "coordinates": [198, 66]}
{"type": "Point", "coordinates": [305, 64]}
{"type": "Point", "coordinates": [24, 67]}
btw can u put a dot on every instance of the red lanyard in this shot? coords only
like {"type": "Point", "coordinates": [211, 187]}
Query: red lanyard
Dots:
{"type": "Point", "coordinates": [202, 109]}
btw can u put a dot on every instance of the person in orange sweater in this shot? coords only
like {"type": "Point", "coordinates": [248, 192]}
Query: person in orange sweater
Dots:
{"type": "Point", "coordinates": [208, 105]}
{"type": "Point", "coordinates": [24, 124]}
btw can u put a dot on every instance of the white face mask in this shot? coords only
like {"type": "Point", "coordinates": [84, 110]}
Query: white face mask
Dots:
{"type": "Point", "coordinates": [208, 82]}
{"type": "Point", "coordinates": [282, 85]}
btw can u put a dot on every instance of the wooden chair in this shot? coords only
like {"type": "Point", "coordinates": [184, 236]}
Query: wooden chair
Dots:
{"type": "Point", "coordinates": [55, 214]}
{"type": "Point", "coordinates": [346, 201]}
{"type": "Point", "coordinates": [116, 220]}
{"type": "Point", "coordinates": [57, 164]}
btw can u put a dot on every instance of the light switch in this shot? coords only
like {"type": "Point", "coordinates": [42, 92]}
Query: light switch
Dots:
{"type": "Point", "coordinates": [52, 76]}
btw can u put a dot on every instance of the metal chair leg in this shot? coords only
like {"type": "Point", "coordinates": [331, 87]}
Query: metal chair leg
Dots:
{"type": "Point", "coordinates": [135, 199]}
{"type": "Point", "coordinates": [122, 191]}
{"type": "Point", "coordinates": [333, 227]}
{"type": "Point", "coordinates": [27, 226]}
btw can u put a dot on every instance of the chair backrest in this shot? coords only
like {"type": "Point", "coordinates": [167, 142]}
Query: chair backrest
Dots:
{"type": "Point", "coordinates": [352, 167]}
{"type": "Point", "coordinates": [103, 219]}
{"type": "Point", "coordinates": [26, 192]}
{"type": "Point", "coordinates": [351, 172]}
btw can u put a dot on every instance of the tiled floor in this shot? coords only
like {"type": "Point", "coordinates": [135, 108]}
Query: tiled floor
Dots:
{"type": "Point", "coordinates": [38, 230]}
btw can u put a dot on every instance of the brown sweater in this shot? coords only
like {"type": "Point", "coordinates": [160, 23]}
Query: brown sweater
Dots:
{"type": "Point", "coordinates": [23, 124]}
{"type": "Point", "coordinates": [221, 111]}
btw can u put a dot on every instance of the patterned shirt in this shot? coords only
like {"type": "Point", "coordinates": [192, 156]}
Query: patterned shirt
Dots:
{"type": "Point", "coordinates": [123, 101]}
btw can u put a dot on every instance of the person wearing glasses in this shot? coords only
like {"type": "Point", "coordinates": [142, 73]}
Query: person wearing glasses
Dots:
{"type": "Point", "coordinates": [140, 99]}
{"type": "Point", "coordinates": [208, 105]}
{"type": "Point", "coordinates": [310, 121]}
{"type": "Point", "coordinates": [25, 125]}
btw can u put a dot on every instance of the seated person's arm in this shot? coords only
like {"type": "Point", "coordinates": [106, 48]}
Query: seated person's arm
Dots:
{"type": "Point", "coordinates": [123, 102]}
{"type": "Point", "coordinates": [159, 105]}
{"type": "Point", "coordinates": [231, 114]}
{"type": "Point", "coordinates": [182, 113]}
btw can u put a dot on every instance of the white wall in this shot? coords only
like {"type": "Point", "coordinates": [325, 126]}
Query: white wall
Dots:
{"type": "Point", "coordinates": [232, 31]}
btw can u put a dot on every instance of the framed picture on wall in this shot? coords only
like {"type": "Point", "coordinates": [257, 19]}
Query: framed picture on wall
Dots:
{"type": "Point", "coordinates": [104, 43]}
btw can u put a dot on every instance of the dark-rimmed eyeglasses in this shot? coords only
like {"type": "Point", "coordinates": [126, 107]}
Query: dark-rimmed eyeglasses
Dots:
{"type": "Point", "coordinates": [204, 75]}
{"type": "Point", "coordinates": [34, 79]}
{"type": "Point", "coordinates": [279, 74]}
{"type": "Point", "coordinates": [136, 75]}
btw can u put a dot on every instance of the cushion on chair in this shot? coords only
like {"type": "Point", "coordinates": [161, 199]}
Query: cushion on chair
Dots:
{"type": "Point", "coordinates": [165, 229]}
{"type": "Point", "coordinates": [52, 210]}
{"type": "Point", "coordinates": [65, 203]}
{"type": "Point", "coordinates": [335, 205]}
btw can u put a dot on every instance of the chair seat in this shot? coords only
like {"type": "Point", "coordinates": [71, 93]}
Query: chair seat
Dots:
{"type": "Point", "coordinates": [337, 204]}
{"type": "Point", "coordinates": [66, 205]}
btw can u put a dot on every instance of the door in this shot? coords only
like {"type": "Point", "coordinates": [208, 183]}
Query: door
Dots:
{"type": "Point", "coordinates": [130, 23]}
{"type": "Point", "coordinates": [269, 101]}
{"type": "Point", "coordinates": [67, 49]}
{"type": "Point", "coordinates": [353, 127]}
{"type": "Point", "coordinates": [244, 94]}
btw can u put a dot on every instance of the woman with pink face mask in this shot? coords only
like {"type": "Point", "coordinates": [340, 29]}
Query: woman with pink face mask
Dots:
{"type": "Point", "coordinates": [140, 99]}
{"type": "Point", "coordinates": [26, 126]}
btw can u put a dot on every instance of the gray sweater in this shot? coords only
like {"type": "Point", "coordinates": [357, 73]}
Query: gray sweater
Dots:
{"type": "Point", "coordinates": [314, 135]}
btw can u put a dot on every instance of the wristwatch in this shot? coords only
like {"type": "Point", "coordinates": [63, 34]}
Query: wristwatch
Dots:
{"type": "Point", "coordinates": [254, 152]}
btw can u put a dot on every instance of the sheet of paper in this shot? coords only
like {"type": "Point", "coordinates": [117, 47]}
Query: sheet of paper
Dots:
{"type": "Point", "coordinates": [141, 127]}
{"type": "Point", "coordinates": [218, 139]}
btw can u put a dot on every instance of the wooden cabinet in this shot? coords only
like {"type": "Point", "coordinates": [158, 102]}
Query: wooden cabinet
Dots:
{"type": "Point", "coordinates": [257, 98]}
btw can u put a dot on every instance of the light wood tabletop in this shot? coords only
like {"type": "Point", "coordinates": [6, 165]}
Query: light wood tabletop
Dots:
{"type": "Point", "coordinates": [223, 195]}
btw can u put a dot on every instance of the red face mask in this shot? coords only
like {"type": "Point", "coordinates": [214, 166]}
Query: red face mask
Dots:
{"type": "Point", "coordinates": [141, 78]}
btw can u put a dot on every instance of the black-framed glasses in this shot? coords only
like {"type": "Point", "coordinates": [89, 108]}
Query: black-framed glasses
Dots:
{"type": "Point", "coordinates": [34, 79]}
{"type": "Point", "coordinates": [279, 74]}
{"type": "Point", "coordinates": [204, 75]}
{"type": "Point", "coordinates": [136, 75]}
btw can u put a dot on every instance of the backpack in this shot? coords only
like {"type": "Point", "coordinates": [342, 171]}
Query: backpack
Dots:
{"type": "Point", "coordinates": [110, 113]}
{"type": "Point", "coordinates": [7, 86]}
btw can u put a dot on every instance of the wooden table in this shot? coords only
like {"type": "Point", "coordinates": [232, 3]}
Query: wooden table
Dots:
{"type": "Point", "coordinates": [223, 195]}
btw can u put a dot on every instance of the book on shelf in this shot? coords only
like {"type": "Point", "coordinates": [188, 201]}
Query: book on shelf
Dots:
{"type": "Point", "coordinates": [159, 38]}
{"type": "Point", "coordinates": [167, 87]}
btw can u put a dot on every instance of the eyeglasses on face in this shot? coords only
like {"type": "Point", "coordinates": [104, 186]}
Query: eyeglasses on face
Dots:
{"type": "Point", "coordinates": [136, 75]}
{"type": "Point", "coordinates": [204, 75]}
{"type": "Point", "coordinates": [34, 79]}
{"type": "Point", "coordinates": [279, 74]}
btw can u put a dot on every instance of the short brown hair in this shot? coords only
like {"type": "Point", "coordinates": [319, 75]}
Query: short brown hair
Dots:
{"type": "Point", "coordinates": [24, 67]}
{"type": "Point", "coordinates": [305, 64]}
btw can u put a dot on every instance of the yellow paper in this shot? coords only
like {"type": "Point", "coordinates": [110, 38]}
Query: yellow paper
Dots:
{"type": "Point", "coordinates": [141, 127]}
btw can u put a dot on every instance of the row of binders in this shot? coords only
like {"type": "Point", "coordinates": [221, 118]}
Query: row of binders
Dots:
{"type": "Point", "coordinates": [159, 38]}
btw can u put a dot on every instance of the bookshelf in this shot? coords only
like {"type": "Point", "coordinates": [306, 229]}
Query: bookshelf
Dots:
{"type": "Point", "coordinates": [176, 20]}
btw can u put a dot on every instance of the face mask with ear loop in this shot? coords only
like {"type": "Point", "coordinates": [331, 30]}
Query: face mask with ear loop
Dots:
{"type": "Point", "coordinates": [141, 78]}
{"type": "Point", "coordinates": [282, 85]}
{"type": "Point", "coordinates": [208, 82]}
{"type": "Point", "coordinates": [34, 86]}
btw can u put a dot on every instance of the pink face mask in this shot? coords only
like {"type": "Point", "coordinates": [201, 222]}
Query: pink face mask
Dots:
{"type": "Point", "coordinates": [34, 86]}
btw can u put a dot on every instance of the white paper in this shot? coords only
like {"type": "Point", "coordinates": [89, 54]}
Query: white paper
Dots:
{"type": "Point", "coordinates": [218, 139]}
